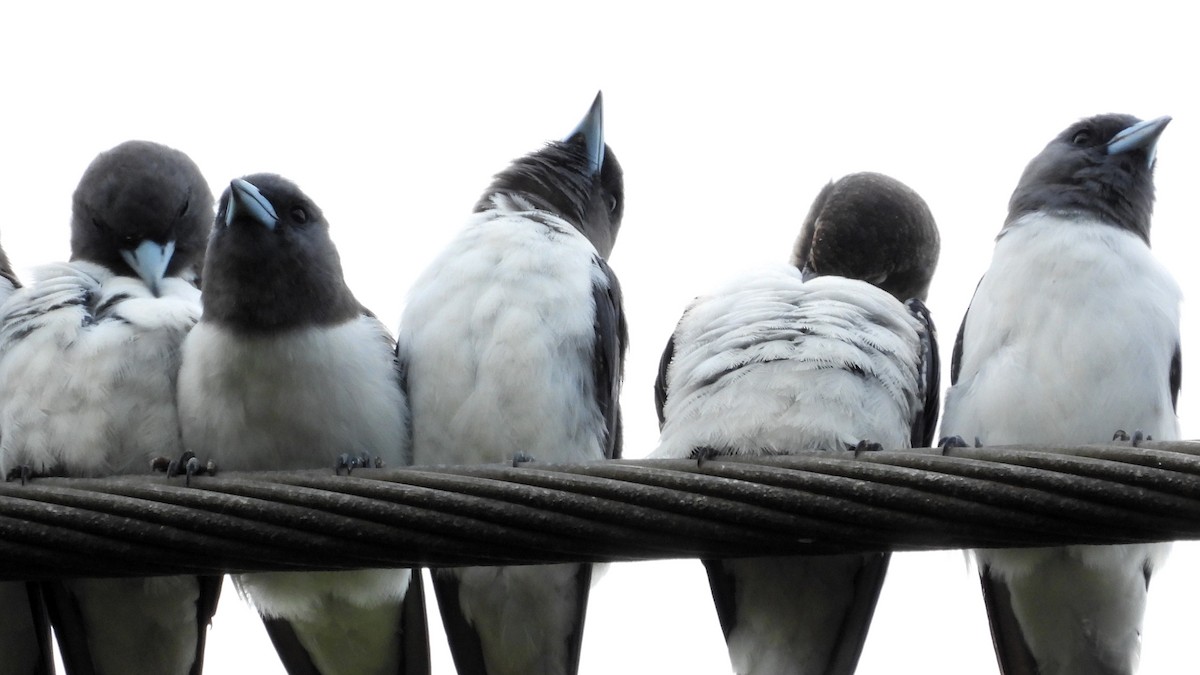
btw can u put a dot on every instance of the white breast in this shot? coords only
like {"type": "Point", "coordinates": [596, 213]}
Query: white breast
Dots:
{"type": "Point", "coordinates": [1070, 337]}
{"type": "Point", "coordinates": [292, 401]}
{"type": "Point", "coordinates": [88, 365]}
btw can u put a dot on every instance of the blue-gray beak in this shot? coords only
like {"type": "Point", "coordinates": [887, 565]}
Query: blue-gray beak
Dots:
{"type": "Point", "coordinates": [245, 199]}
{"type": "Point", "coordinates": [1141, 135]}
{"type": "Point", "coordinates": [150, 260]}
{"type": "Point", "coordinates": [592, 130]}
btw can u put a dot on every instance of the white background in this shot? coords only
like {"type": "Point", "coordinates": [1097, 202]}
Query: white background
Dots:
{"type": "Point", "coordinates": [727, 117]}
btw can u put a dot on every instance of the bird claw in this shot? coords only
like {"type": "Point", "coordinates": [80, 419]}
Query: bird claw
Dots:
{"type": "Point", "coordinates": [702, 455]}
{"type": "Point", "coordinates": [23, 472]}
{"type": "Point", "coordinates": [948, 443]}
{"type": "Point", "coordinates": [520, 458]}
{"type": "Point", "coordinates": [350, 462]}
{"type": "Point", "coordinates": [865, 446]}
{"type": "Point", "coordinates": [186, 465]}
{"type": "Point", "coordinates": [1134, 440]}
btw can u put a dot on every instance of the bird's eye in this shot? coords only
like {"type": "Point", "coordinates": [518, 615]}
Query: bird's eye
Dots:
{"type": "Point", "coordinates": [1082, 137]}
{"type": "Point", "coordinates": [299, 215]}
{"type": "Point", "coordinates": [612, 203]}
{"type": "Point", "coordinates": [184, 208]}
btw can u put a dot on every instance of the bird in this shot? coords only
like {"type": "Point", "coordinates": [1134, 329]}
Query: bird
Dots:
{"type": "Point", "coordinates": [830, 352]}
{"type": "Point", "coordinates": [514, 342]}
{"type": "Point", "coordinates": [1073, 332]}
{"type": "Point", "coordinates": [89, 355]}
{"type": "Point", "coordinates": [25, 646]}
{"type": "Point", "coordinates": [285, 371]}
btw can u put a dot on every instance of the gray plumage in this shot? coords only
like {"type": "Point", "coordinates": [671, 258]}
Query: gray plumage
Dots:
{"type": "Point", "coordinates": [89, 354]}
{"type": "Point", "coordinates": [821, 355]}
{"type": "Point", "coordinates": [287, 371]}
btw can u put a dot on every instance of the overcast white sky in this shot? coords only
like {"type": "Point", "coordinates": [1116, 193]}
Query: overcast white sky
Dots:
{"type": "Point", "coordinates": [727, 122]}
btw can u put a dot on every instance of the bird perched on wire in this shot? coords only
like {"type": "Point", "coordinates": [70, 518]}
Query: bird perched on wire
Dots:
{"type": "Point", "coordinates": [89, 355]}
{"type": "Point", "coordinates": [25, 647]}
{"type": "Point", "coordinates": [514, 340]}
{"type": "Point", "coordinates": [1036, 362]}
{"type": "Point", "coordinates": [288, 371]}
{"type": "Point", "coordinates": [833, 352]}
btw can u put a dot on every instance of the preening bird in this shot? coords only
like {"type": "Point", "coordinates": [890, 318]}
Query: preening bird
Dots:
{"type": "Point", "coordinates": [89, 355]}
{"type": "Point", "coordinates": [835, 351]}
{"type": "Point", "coordinates": [1072, 334]}
{"type": "Point", "coordinates": [514, 340]}
{"type": "Point", "coordinates": [288, 371]}
{"type": "Point", "coordinates": [25, 647]}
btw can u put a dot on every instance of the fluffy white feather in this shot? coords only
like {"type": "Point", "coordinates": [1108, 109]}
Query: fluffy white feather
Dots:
{"type": "Point", "coordinates": [104, 353]}
{"type": "Point", "coordinates": [767, 364]}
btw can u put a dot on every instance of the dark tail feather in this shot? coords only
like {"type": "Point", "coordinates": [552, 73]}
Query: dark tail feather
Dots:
{"type": "Point", "coordinates": [1012, 652]}
{"type": "Point", "coordinates": [414, 638]}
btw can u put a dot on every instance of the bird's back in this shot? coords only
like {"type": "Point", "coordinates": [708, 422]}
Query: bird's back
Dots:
{"type": "Point", "coordinates": [498, 335]}
{"type": "Point", "coordinates": [777, 364]}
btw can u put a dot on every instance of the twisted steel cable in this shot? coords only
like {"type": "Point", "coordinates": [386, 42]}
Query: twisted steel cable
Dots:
{"type": "Point", "coordinates": [603, 511]}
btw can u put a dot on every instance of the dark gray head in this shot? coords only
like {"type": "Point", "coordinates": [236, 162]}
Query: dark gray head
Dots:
{"type": "Point", "coordinates": [1100, 167]}
{"type": "Point", "coordinates": [142, 209]}
{"type": "Point", "coordinates": [577, 179]}
{"type": "Point", "coordinates": [874, 228]}
{"type": "Point", "coordinates": [271, 265]}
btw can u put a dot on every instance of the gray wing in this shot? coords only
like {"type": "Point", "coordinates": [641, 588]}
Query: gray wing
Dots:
{"type": "Point", "coordinates": [608, 355]}
{"type": "Point", "coordinates": [1012, 652]}
{"type": "Point", "coordinates": [925, 423]}
{"type": "Point", "coordinates": [25, 638]}
{"type": "Point", "coordinates": [1175, 377]}
{"type": "Point", "coordinates": [660, 382]}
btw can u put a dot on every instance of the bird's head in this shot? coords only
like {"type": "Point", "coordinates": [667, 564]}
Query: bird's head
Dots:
{"type": "Point", "coordinates": [1101, 167]}
{"type": "Point", "coordinates": [874, 228]}
{"type": "Point", "coordinates": [142, 209]}
{"type": "Point", "coordinates": [577, 179]}
{"type": "Point", "coordinates": [271, 264]}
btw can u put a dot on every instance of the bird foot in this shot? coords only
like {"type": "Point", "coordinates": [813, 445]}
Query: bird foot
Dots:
{"type": "Point", "coordinates": [1135, 439]}
{"type": "Point", "coordinates": [186, 465]}
{"type": "Point", "coordinates": [23, 472]}
{"type": "Point", "coordinates": [520, 458]}
{"type": "Point", "coordinates": [351, 462]}
{"type": "Point", "coordinates": [702, 455]}
{"type": "Point", "coordinates": [865, 446]}
{"type": "Point", "coordinates": [26, 473]}
{"type": "Point", "coordinates": [949, 442]}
